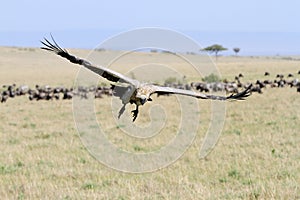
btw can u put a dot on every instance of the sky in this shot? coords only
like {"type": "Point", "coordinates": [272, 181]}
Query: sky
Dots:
{"type": "Point", "coordinates": [256, 26]}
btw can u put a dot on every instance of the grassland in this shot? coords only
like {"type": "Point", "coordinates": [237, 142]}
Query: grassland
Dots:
{"type": "Point", "coordinates": [42, 157]}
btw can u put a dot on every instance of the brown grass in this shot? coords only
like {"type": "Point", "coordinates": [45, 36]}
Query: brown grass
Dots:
{"type": "Point", "coordinates": [42, 156]}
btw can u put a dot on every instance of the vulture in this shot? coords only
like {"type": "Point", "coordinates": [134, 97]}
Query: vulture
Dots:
{"type": "Point", "coordinates": [134, 91]}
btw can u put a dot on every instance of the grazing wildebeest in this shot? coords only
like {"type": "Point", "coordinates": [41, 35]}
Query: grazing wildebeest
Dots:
{"type": "Point", "coordinates": [4, 96]}
{"type": "Point", "coordinates": [267, 82]}
{"type": "Point", "coordinates": [281, 76]}
{"type": "Point", "coordinates": [260, 84]}
{"type": "Point", "coordinates": [256, 88]}
{"type": "Point", "coordinates": [68, 93]}
{"type": "Point", "coordinates": [231, 87]}
{"type": "Point", "coordinates": [11, 90]}
{"type": "Point", "coordinates": [280, 83]}
{"type": "Point", "coordinates": [293, 83]}
{"type": "Point", "coordinates": [290, 75]}
{"type": "Point", "coordinates": [202, 87]}
{"type": "Point", "coordinates": [22, 90]}
{"type": "Point", "coordinates": [98, 94]}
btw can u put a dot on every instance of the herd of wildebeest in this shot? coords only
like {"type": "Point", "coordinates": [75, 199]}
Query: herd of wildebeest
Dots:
{"type": "Point", "coordinates": [55, 93]}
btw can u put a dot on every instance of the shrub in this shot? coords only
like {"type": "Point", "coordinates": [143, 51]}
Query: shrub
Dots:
{"type": "Point", "coordinates": [211, 78]}
{"type": "Point", "coordinates": [172, 80]}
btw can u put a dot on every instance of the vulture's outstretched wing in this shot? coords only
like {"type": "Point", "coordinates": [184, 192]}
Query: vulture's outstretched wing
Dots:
{"type": "Point", "coordinates": [102, 71]}
{"type": "Point", "coordinates": [168, 90]}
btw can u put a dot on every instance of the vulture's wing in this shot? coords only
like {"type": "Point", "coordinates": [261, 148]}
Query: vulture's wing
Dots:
{"type": "Point", "coordinates": [102, 71]}
{"type": "Point", "coordinates": [168, 90]}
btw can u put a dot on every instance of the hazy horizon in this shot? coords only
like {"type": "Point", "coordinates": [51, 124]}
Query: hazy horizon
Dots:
{"type": "Point", "coordinates": [250, 43]}
{"type": "Point", "coordinates": [256, 27]}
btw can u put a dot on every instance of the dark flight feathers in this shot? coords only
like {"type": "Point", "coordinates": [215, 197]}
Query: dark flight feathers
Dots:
{"type": "Point", "coordinates": [104, 72]}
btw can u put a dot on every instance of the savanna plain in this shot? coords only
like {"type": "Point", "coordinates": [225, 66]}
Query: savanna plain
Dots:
{"type": "Point", "coordinates": [42, 156]}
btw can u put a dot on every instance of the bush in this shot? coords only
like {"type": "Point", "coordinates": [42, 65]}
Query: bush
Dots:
{"type": "Point", "coordinates": [211, 78]}
{"type": "Point", "coordinates": [172, 80]}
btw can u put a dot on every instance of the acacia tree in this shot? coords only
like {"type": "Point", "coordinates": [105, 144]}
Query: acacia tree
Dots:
{"type": "Point", "coordinates": [216, 48]}
{"type": "Point", "coordinates": [236, 50]}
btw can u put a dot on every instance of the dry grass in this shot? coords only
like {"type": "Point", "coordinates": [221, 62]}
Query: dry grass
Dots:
{"type": "Point", "coordinates": [42, 157]}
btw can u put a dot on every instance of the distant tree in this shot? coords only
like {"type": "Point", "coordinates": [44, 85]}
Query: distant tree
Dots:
{"type": "Point", "coordinates": [216, 48]}
{"type": "Point", "coordinates": [236, 50]}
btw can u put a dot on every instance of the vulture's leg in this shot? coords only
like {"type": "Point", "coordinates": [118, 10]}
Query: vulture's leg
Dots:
{"type": "Point", "coordinates": [135, 113]}
{"type": "Point", "coordinates": [121, 111]}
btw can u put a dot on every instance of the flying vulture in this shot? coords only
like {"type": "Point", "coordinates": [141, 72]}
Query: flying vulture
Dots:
{"type": "Point", "coordinates": [136, 92]}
